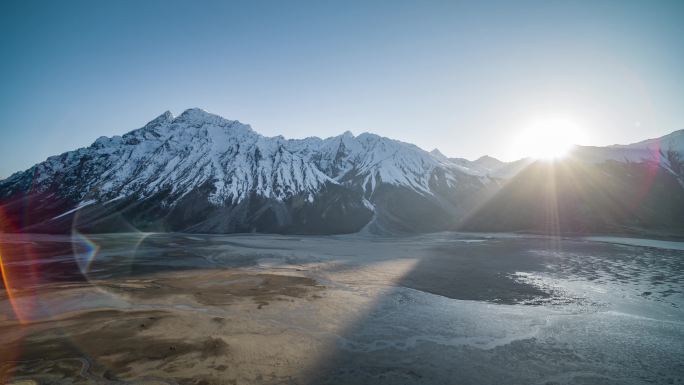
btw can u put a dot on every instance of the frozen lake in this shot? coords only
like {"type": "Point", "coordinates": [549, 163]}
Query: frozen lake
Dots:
{"type": "Point", "coordinates": [432, 309]}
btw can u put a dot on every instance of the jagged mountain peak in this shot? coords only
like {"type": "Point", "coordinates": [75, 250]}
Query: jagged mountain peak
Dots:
{"type": "Point", "coordinates": [193, 122]}
{"type": "Point", "coordinates": [198, 148]}
{"type": "Point", "coordinates": [487, 158]}
{"type": "Point", "coordinates": [488, 161]}
{"type": "Point", "coordinates": [198, 114]}
{"type": "Point", "coordinates": [197, 117]}
{"type": "Point", "coordinates": [165, 117]}
{"type": "Point", "coordinates": [439, 155]}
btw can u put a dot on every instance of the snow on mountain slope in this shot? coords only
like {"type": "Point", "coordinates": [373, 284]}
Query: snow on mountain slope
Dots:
{"type": "Point", "coordinates": [484, 166]}
{"type": "Point", "coordinates": [666, 151]}
{"type": "Point", "coordinates": [371, 159]}
{"type": "Point", "coordinates": [651, 150]}
{"type": "Point", "coordinates": [670, 142]}
{"type": "Point", "coordinates": [179, 155]}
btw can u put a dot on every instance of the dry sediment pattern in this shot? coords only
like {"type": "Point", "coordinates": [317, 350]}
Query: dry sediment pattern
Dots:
{"type": "Point", "coordinates": [182, 339]}
{"type": "Point", "coordinates": [435, 309]}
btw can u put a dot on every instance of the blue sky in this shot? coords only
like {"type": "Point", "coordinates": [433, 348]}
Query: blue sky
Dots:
{"type": "Point", "coordinates": [466, 77]}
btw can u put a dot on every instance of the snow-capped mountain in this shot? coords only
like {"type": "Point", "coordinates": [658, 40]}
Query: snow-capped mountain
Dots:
{"type": "Point", "coordinates": [667, 151]}
{"type": "Point", "coordinates": [485, 165]}
{"type": "Point", "coordinates": [201, 172]}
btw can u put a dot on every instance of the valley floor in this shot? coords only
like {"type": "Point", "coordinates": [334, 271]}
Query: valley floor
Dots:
{"type": "Point", "coordinates": [441, 308]}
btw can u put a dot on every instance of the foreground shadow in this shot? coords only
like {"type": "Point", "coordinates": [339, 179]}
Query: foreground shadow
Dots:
{"type": "Point", "coordinates": [496, 332]}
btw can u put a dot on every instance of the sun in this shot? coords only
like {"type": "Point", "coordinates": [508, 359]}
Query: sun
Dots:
{"type": "Point", "coordinates": [549, 139]}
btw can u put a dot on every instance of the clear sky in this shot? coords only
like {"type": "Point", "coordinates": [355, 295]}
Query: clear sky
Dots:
{"type": "Point", "coordinates": [466, 77]}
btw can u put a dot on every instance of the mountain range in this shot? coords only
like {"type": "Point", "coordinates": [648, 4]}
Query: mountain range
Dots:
{"type": "Point", "coordinates": [199, 172]}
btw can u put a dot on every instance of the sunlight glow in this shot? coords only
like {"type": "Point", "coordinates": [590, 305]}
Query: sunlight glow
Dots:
{"type": "Point", "coordinates": [85, 251]}
{"type": "Point", "coordinates": [9, 290]}
{"type": "Point", "coordinates": [549, 139]}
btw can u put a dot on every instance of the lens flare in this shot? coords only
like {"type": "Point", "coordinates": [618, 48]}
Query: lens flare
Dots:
{"type": "Point", "coordinates": [8, 289]}
{"type": "Point", "coordinates": [85, 251]}
{"type": "Point", "coordinates": [5, 226]}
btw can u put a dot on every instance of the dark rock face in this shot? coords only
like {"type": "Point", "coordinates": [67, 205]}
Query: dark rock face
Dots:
{"type": "Point", "coordinates": [335, 211]}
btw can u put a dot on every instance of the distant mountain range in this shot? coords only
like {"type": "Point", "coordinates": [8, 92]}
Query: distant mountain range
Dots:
{"type": "Point", "coordinates": [199, 172]}
{"type": "Point", "coordinates": [636, 188]}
